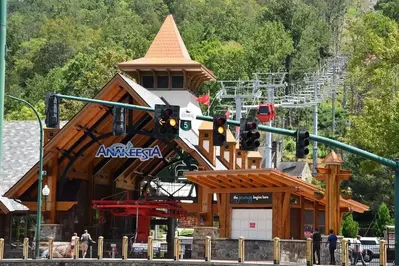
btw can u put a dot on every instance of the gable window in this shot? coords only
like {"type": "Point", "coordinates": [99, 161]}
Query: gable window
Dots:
{"type": "Point", "coordinates": [177, 82]}
{"type": "Point", "coordinates": [163, 82]}
{"type": "Point", "coordinates": [148, 82]}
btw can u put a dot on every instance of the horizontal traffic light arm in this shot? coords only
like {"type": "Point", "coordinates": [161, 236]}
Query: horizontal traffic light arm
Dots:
{"type": "Point", "coordinates": [280, 131]}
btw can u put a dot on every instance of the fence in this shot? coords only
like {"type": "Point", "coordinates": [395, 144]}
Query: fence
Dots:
{"type": "Point", "coordinates": [278, 251]}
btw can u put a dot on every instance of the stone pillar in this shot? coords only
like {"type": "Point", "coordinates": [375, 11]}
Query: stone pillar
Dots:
{"type": "Point", "coordinates": [199, 235]}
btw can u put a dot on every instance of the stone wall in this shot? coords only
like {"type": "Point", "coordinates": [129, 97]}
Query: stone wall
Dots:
{"type": "Point", "coordinates": [293, 251]}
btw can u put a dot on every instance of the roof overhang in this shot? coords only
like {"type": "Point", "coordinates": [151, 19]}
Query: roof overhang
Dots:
{"type": "Point", "coordinates": [265, 180]}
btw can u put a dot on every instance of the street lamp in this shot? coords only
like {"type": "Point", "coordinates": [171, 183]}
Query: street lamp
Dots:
{"type": "Point", "coordinates": [45, 192]}
{"type": "Point", "coordinates": [39, 180]}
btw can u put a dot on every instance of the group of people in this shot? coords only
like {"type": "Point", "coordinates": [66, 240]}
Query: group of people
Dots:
{"type": "Point", "coordinates": [332, 246]}
{"type": "Point", "coordinates": [84, 244]}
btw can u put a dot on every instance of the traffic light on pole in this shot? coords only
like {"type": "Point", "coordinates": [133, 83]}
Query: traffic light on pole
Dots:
{"type": "Point", "coordinates": [52, 111]}
{"type": "Point", "coordinates": [119, 121]}
{"type": "Point", "coordinates": [219, 130]}
{"type": "Point", "coordinates": [302, 142]}
{"type": "Point", "coordinates": [166, 124]}
{"type": "Point", "coordinates": [249, 135]}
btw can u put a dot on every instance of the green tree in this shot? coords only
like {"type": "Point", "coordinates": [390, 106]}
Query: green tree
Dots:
{"type": "Point", "coordinates": [349, 227]}
{"type": "Point", "coordinates": [383, 219]}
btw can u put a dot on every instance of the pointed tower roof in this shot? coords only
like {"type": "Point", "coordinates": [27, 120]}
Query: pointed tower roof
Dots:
{"type": "Point", "coordinates": [168, 52]}
{"type": "Point", "coordinates": [333, 158]}
{"type": "Point", "coordinates": [168, 42]}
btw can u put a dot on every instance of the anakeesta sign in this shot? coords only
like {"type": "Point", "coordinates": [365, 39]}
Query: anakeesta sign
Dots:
{"type": "Point", "coordinates": [254, 198]}
{"type": "Point", "coordinates": [119, 150]}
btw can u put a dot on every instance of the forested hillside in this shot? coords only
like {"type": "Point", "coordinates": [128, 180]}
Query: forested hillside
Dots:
{"type": "Point", "coordinates": [72, 47]}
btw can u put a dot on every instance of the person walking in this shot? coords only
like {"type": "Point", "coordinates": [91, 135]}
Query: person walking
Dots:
{"type": "Point", "coordinates": [316, 236]}
{"type": "Point", "coordinates": [332, 246]}
{"type": "Point", "coordinates": [358, 251]}
{"type": "Point", "coordinates": [85, 243]}
{"type": "Point", "coordinates": [75, 235]}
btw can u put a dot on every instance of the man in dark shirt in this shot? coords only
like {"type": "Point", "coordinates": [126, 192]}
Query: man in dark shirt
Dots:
{"type": "Point", "coordinates": [332, 241]}
{"type": "Point", "coordinates": [316, 245]}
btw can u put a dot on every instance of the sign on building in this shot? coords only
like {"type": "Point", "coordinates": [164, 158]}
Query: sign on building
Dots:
{"type": "Point", "coordinates": [119, 150]}
{"type": "Point", "coordinates": [253, 198]}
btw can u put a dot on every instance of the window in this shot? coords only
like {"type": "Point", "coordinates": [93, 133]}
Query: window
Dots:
{"type": "Point", "coordinates": [163, 82]}
{"type": "Point", "coordinates": [148, 82]}
{"type": "Point", "coordinates": [177, 82]}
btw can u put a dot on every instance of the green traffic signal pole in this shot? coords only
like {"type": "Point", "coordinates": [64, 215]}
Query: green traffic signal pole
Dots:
{"type": "Point", "coordinates": [3, 18]}
{"type": "Point", "coordinates": [368, 155]}
{"type": "Point", "coordinates": [39, 181]}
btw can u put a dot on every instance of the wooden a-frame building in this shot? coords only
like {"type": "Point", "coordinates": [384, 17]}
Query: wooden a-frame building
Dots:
{"type": "Point", "coordinates": [227, 182]}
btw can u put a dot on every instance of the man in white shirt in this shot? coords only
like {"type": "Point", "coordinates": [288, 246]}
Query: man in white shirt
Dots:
{"type": "Point", "coordinates": [358, 251]}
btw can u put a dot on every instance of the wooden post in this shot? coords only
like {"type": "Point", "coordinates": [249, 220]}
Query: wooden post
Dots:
{"type": "Point", "coordinates": [276, 250]}
{"type": "Point", "coordinates": [241, 250]}
{"type": "Point", "coordinates": [150, 248]}
{"type": "Point", "coordinates": [100, 247]}
{"type": "Point", "coordinates": [332, 174]}
{"type": "Point", "coordinates": [124, 247]}
{"type": "Point", "coordinates": [309, 252]}
{"type": "Point", "coordinates": [177, 249]}
{"type": "Point", "coordinates": [50, 248]}
{"type": "Point", "coordinates": [208, 248]}
{"type": "Point", "coordinates": [1, 248]}
{"type": "Point", "coordinates": [344, 252]}
{"type": "Point", "coordinates": [52, 184]}
{"type": "Point", "coordinates": [25, 251]}
{"type": "Point", "coordinates": [383, 253]}
{"type": "Point", "coordinates": [76, 248]}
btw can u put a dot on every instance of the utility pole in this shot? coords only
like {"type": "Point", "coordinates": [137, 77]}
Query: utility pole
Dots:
{"type": "Point", "coordinates": [333, 96]}
{"type": "Point", "coordinates": [315, 123]}
{"type": "Point", "coordinates": [3, 20]}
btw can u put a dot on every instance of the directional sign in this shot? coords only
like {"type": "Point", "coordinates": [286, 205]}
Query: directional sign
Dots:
{"type": "Point", "coordinates": [161, 122]}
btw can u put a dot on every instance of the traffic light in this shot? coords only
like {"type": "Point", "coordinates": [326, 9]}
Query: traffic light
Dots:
{"type": "Point", "coordinates": [249, 135]}
{"type": "Point", "coordinates": [52, 111]}
{"type": "Point", "coordinates": [219, 130]}
{"type": "Point", "coordinates": [166, 124]}
{"type": "Point", "coordinates": [119, 121]}
{"type": "Point", "coordinates": [302, 141]}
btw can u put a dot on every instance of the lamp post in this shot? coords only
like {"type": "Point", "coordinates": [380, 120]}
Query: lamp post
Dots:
{"type": "Point", "coordinates": [39, 181]}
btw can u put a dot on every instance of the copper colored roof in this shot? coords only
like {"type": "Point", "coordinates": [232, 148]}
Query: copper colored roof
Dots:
{"type": "Point", "coordinates": [168, 42]}
{"type": "Point", "coordinates": [333, 158]}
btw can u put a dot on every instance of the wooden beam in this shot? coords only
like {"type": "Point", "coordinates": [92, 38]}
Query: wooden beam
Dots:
{"type": "Point", "coordinates": [286, 217]}
{"type": "Point", "coordinates": [323, 171]}
{"type": "Point", "coordinates": [252, 190]}
{"type": "Point", "coordinates": [302, 218]}
{"type": "Point", "coordinates": [344, 176]}
{"type": "Point", "coordinates": [60, 205]}
{"type": "Point", "coordinates": [276, 214]}
{"type": "Point", "coordinates": [52, 183]}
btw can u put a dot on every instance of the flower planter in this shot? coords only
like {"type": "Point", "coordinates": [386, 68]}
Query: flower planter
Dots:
{"type": "Point", "coordinates": [346, 196]}
{"type": "Point", "coordinates": [318, 195]}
